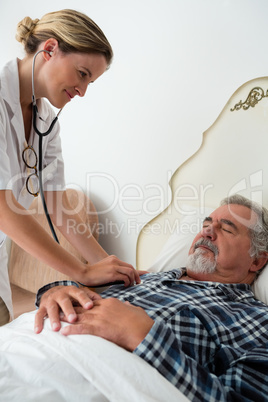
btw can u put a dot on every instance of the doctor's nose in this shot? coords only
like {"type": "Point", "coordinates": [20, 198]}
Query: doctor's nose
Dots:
{"type": "Point", "coordinates": [209, 231]}
{"type": "Point", "coordinates": [81, 90]}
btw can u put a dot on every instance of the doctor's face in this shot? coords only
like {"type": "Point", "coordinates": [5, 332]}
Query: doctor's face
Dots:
{"type": "Point", "coordinates": [66, 75]}
{"type": "Point", "coordinates": [222, 247]}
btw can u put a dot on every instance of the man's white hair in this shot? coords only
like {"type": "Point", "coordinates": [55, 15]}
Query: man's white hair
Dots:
{"type": "Point", "coordinates": [259, 231]}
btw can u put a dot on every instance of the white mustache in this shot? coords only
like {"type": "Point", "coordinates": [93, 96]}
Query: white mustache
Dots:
{"type": "Point", "coordinates": [207, 243]}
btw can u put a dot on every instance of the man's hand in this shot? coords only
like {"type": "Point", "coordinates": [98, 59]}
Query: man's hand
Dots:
{"type": "Point", "coordinates": [62, 299]}
{"type": "Point", "coordinates": [111, 319]}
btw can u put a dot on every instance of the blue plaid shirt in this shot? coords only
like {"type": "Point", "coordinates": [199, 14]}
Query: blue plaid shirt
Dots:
{"type": "Point", "coordinates": [209, 339]}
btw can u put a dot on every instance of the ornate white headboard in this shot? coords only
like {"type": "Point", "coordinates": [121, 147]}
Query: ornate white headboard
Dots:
{"type": "Point", "coordinates": [232, 159]}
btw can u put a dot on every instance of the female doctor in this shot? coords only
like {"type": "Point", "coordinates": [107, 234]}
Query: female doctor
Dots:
{"type": "Point", "coordinates": [65, 52]}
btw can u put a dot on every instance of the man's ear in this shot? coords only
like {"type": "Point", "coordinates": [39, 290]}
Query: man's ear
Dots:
{"type": "Point", "coordinates": [259, 262]}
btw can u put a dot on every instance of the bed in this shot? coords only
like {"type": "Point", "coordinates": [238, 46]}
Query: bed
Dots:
{"type": "Point", "coordinates": [231, 159]}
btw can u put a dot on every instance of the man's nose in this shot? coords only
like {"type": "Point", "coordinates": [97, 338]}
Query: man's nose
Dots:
{"type": "Point", "coordinates": [209, 231]}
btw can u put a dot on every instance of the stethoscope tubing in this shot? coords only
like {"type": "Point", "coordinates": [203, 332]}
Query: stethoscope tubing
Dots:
{"type": "Point", "coordinates": [41, 135]}
{"type": "Point", "coordinates": [40, 178]}
{"type": "Point", "coordinates": [35, 109]}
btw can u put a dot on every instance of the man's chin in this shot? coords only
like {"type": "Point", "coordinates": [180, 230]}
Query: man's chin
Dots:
{"type": "Point", "coordinates": [198, 263]}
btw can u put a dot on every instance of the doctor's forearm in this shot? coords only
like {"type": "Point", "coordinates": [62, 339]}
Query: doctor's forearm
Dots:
{"type": "Point", "coordinates": [74, 229]}
{"type": "Point", "coordinates": [86, 244]}
{"type": "Point", "coordinates": [23, 229]}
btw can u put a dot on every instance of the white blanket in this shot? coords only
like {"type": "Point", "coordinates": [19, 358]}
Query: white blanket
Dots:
{"type": "Point", "coordinates": [51, 367]}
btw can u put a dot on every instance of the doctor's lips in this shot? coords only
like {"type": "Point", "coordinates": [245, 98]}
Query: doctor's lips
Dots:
{"type": "Point", "coordinates": [205, 243]}
{"type": "Point", "coordinates": [69, 95]}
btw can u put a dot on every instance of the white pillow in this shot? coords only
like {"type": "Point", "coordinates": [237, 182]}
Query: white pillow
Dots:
{"type": "Point", "coordinates": [260, 286]}
{"type": "Point", "coordinates": [175, 251]}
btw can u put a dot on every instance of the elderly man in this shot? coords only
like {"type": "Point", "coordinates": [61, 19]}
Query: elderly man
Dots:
{"type": "Point", "coordinates": [199, 326]}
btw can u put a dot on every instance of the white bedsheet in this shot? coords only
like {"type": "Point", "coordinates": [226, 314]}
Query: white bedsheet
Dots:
{"type": "Point", "coordinates": [51, 367]}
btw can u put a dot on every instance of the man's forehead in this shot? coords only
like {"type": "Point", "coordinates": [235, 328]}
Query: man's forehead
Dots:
{"type": "Point", "coordinates": [238, 214]}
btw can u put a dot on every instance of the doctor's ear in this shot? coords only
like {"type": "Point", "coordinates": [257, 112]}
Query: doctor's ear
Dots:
{"type": "Point", "coordinates": [50, 46]}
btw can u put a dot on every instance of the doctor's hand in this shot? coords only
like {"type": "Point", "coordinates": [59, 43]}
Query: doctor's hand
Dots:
{"type": "Point", "coordinates": [108, 270]}
{"type": "Point", "coordinates": [114, 320]}
{"type": "Point", "coordinates": [60, 300]}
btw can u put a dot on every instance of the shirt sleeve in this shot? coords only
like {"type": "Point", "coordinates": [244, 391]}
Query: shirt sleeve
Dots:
{"type": "Point", "coordinates": [53, 170]}
{"type": "Point", "coordinates": [5, 172]}
{"type": "Point", "coordinates": [216, 376]}
{"type": "Point", "coordinates": [45, 288]}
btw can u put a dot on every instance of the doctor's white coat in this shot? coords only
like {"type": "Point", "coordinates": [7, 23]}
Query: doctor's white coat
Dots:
{"type": "Point", "coordinates": [13, 171]}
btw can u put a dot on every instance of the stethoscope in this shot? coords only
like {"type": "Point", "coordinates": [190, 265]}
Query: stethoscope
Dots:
{"type": "Point", "coordinates": [40, 167]}
{"type": "Point", "coordinates": [40, 145]}
{"type": "Point", "coordinates": [35, 109]}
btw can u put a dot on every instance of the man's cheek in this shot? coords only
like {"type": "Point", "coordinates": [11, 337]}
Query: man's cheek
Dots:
{"type": "Point", "coordinates": [191, 251]}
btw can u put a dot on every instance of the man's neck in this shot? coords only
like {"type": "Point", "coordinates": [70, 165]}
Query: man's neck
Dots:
{"type": "Point", "coordinates": [215, 277]}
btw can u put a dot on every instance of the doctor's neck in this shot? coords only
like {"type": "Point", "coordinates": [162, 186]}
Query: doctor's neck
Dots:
{"type": "Point", "coordinates": [25, 81]}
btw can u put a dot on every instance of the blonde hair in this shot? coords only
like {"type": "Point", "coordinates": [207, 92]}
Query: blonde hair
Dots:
{"type": "Point", "coordinates": [74, 31]}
